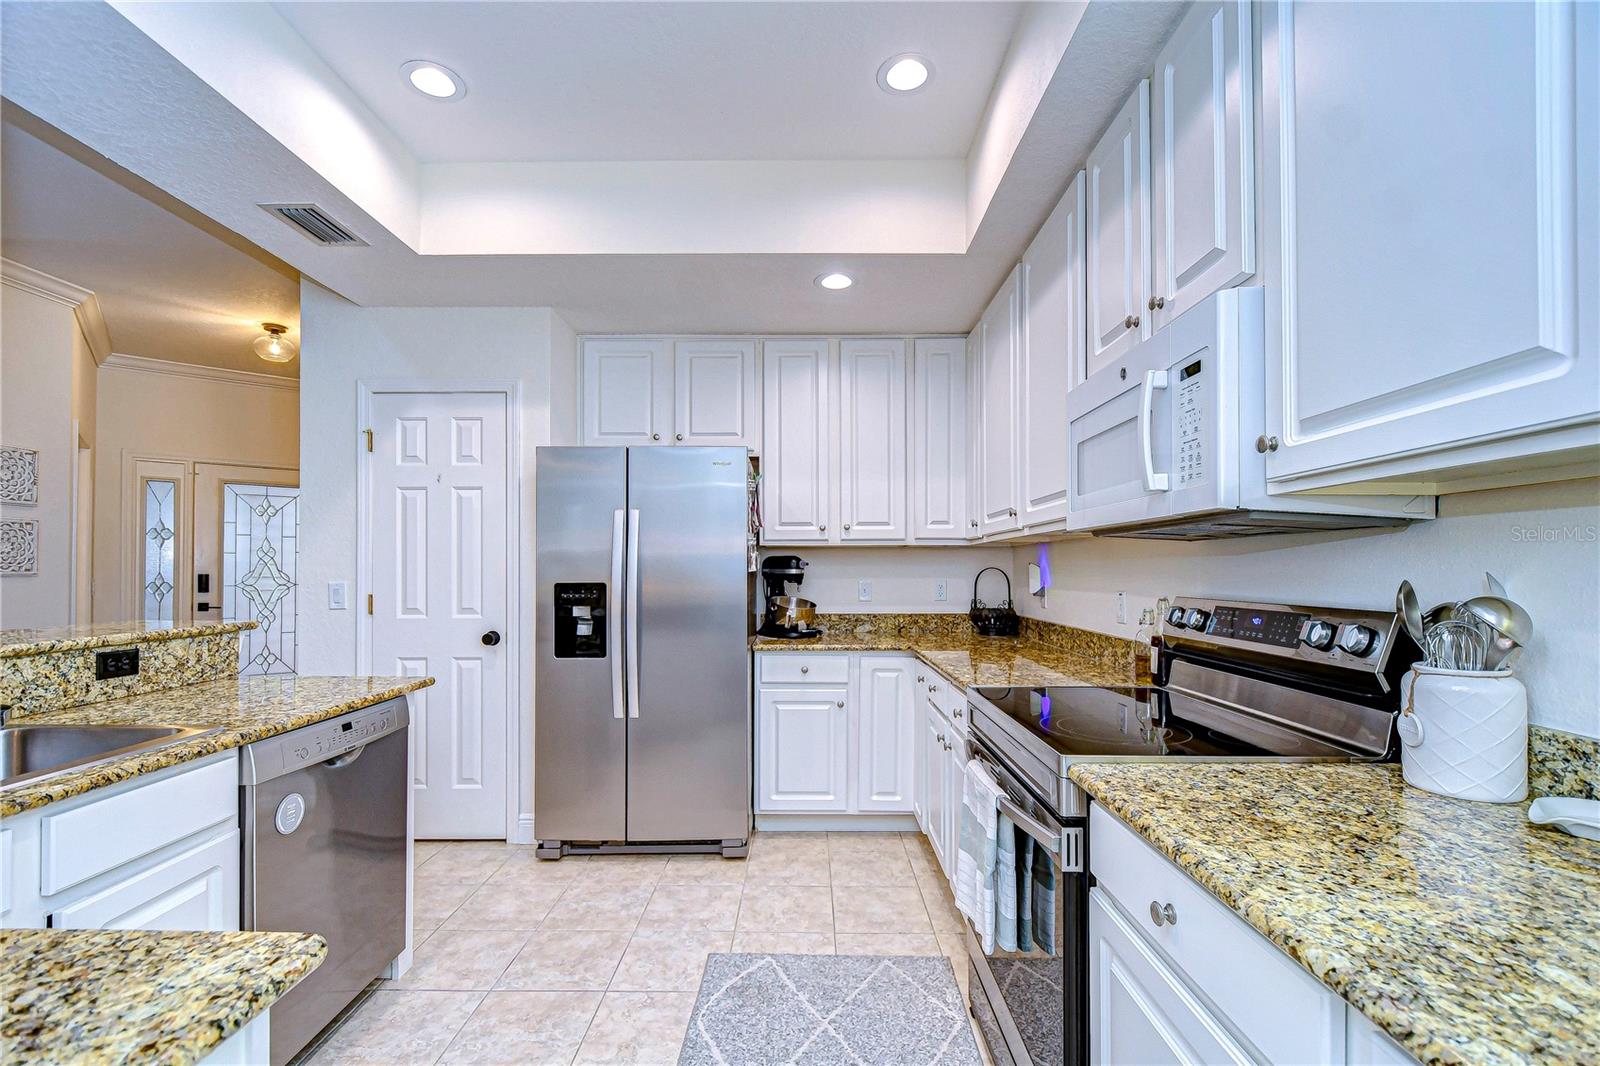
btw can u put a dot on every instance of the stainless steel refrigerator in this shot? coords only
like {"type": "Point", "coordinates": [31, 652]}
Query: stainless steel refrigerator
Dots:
{"type": "Point", "coordinates": [642, 691]}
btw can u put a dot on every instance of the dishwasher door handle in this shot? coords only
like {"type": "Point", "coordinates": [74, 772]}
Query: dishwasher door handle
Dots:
{"type": "Point", "coordinates": [345, 759]}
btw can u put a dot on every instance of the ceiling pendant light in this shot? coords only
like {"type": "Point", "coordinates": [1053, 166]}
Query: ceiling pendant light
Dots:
{"type": "Point", "coordinates": [835, 281]}
{"type": "Point", "coordinates": [434, 79]}
{"type": "Point", "coordinates": [272, 345]}
{"type": "Point", "coordinates": [904, 73]}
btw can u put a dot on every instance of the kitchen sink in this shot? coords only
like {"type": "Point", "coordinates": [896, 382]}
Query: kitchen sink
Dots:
{"type": "Point", "coordinates": [30, 751]}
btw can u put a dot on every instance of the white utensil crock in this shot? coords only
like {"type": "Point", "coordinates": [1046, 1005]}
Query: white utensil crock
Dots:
{"type": "Point", "coordinates": [1465, 734]}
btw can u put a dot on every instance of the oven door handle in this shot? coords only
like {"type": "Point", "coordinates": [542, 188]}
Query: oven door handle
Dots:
{"type": "Point", "coordinates": [1051, 841]}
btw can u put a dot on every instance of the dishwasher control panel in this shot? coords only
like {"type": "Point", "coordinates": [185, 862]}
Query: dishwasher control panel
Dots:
{"type": "Point", "coordinates": [329, 740]}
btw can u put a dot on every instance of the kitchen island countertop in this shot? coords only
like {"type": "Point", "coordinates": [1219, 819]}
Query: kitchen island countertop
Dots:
{"type": "Point", "coordinates": [1464, 931]}
{"type": "Point", "coordinates": [114, 996]}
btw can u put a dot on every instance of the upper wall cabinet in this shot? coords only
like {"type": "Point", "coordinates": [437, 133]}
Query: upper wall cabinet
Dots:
{"type": "Point", "coordinates": [975, 432]}
{"type": "Point", "coordinates": [1050, 351]}
{"type": "Point", "coordinates": [658, 391]}
{"type": "Point", "coordinates": [795, 454]}
{"type": "Point", "coordinates": [1202, 154]}
{"type": "Point", "coordinates": [939, 439]}
{"type": "Point", "coordinates": [998, 489]}
{"type": "Point", "coordinates": [627, 391]}
{"type": "Point", "coordinates": [1430, 215]}
{"type": "Point", "coordinates": [872, 440]}
{"type": "Point", "coordinates": [715, 387]}
{"type": "Point", "coordinates": [1117, 193]}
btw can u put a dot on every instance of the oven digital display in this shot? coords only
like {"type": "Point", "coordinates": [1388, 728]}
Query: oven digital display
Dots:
{"type": "Point", "coordinates": [1264, 627]}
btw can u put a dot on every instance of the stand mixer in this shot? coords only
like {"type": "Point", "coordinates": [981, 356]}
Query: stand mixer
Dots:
{"type": "Point", "coordinates": [788, 617]}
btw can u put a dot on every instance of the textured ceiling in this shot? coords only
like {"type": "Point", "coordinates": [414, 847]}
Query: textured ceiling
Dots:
{"type": "Point", "coordinates": [171, 286]}
{"type": "Point", "coordinates": [655, 81]}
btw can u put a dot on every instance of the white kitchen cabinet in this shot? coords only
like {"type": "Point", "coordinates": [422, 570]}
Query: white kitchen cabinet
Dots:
{"type": "Point", "coordinates": [714, 383]}
{"type": "Point", "coordinates": [975, 432]}
{"type": "Point", "coordinates": [195, 889]}
{"type": "Point", "coordinates": [1430, 218]}
{"type": "Point", "coordinates": [951, 796]}
{"type": "Point", "coordinates": [939, 439]}
{"type": "Point", "coordinates": [872, 440]}
{"type": "Point", "coordinates": [627, 391]}
{"type": "Point", "coordinates": [886, 737]}
{"type": "Point", "coordinates": [936, 733]}
{"type": "Point", "coordinates": [1367, 1045]}
{"type": "Point", "coordinates": [796, 485]}
{"type": "Point", "coordinates": [1050, 349]}
{"type": "Point", "coordinates": [999, 422]}
{"type": "Point", "coordinates": [1202, 159]}
{"type": "Point", "coordinates": [1117, 204]}
{"type": "Point", "coordinates": [1140, 1010]}
{"type": "Point", "coordinates": [802, 743]}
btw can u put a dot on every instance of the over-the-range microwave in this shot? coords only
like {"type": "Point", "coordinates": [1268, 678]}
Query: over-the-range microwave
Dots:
{"type": "Point", "coordinates": [1164, 442]}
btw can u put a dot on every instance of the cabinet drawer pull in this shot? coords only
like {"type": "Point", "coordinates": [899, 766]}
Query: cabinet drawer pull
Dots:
{"type": "Point", "coordinates": [1157, 303]}
{"type": "Point", "coordinates": [841, 704]}
{"type": "Point", "coordinates": [1266, 444]}
{"type": "Point", "coordinates": [678, 436]}
{"type": "Point", "coordinates": [805, 669]}
{"type": "Point", "coordinates": [847, 527]}
{"type": "Point", "coordinates": [655, 436]}
{"type": "Point", "coordinates": [822, 528]}
{"type": "Point", "coordinates": [1162, 914]}
{"type": "Point", "coordinates": [919, 679]}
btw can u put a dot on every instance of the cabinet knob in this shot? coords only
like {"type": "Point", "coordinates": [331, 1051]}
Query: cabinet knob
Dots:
{"type": "Point", "coordinates": [947, 745]}
{"type": "Point", "coordinates": [1013, 512]}
{"type": "Point", "coordinates": [919, 679]}
{"type": "Point", "coordinates": [678, 436]}
{"type": "Point", "coordinates": [655, 436]}
{"type": "Point", "coordinates": [1131, 322]}
{"type": "Point", "coordinates": [1266, 444]}
{"type": "Point", "coordinates": [939, 738]}
{"type": "Point", "coordinates": [839, 704]}
{"type": "Point", "coordinates": [933, 688]}
{"type": "Point", "coordinates": [958, 712]}
{"type": "Point", "coordinates": [973, 523]}
{"type": "Point", "coordinates": [1157, 303]}
{"type": "Point", "coordinates": [847, 527]}
{"type": "Point", "coordinates": [822, 528]}
{"type": "Point", "coordinates": [1162, 914]}
{"type": "Point", "coordinates": [805, 669]}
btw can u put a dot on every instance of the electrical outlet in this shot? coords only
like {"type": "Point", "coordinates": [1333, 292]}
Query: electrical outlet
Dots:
{"type": "Point", "coordinates": [118, 662]}
{"type": "Point", "coordinates": [864, 590]}
{"type": "Point", "coordinates": [1122, 608]}
{"type": "Point", "coordinates": [941, 591]}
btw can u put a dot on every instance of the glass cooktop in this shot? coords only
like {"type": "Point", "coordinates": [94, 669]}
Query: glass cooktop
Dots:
{"type": "Point", "coordinates": [1081, 724]}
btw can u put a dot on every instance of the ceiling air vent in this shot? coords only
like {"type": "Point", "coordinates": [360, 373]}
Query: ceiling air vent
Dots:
{"type": "Point", "coordinates": [315, 223]}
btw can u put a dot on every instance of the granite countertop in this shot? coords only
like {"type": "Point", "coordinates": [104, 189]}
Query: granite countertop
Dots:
{"type": "Point", "coordinates": [15, 643]}
{"type": "Point", "coordinates": [967, 659]}
{"type": "Point", "coordinates": [1461, 929]}
{"type": "Point", "coordinates": [235, 711]}
{"type": "Point", "coordinates": [114, 996]}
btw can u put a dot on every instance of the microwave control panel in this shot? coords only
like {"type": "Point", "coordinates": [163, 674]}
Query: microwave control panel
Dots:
{"type": "Point", "coordinates": [1190, 408]}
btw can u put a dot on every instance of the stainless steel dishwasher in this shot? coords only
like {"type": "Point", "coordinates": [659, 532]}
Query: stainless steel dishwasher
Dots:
{"type": "Point", "coordinates": [324, 811]}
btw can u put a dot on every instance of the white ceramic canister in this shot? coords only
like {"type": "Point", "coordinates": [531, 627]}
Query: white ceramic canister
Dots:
{"type": "Point", "coordinates": [1465, 734]}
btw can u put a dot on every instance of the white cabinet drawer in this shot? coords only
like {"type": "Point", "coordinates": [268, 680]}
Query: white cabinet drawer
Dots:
{"type": "Point", "coordinates": [197, 889]}
{"type": "Point", "coordinates": [1277, 1006]}
{"type": "Point", "coordinates": [795, 668]}
{"type": "Point", "coordinates": [949, 698]}
{"type": "Point", "coordinates": [90, 839]}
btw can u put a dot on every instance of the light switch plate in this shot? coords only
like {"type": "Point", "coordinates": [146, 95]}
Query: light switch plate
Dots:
{"type": "Point", "coordinates": [864, 590]}
{"type": "Point", "coordinates": [338, 595]}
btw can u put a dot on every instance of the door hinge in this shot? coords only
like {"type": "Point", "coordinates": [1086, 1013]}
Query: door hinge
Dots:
{"type": "Point", "coordinates": [368, 432]}
{"type": "Point", "coordinates": [369, 603]}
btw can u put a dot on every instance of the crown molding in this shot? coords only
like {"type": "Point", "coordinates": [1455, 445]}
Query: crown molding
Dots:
{"type": "Point", "coordinates": [144, 365]}
{"type": "Point", "coordinates": [85, 305]}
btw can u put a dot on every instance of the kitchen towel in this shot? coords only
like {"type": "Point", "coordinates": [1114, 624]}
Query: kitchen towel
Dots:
{"type": "Point", "coordinates": [1026, 850]}
{"type": "Point", "coordinates": [1005, 884]}
{"type": "Point", "coordinates": [1043, 900]}
{"type": "Point", "coordinates": [975, 857]}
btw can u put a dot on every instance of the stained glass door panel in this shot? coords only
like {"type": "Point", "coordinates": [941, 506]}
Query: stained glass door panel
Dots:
{"type": "Point", "coordinates": [259, 536]}
{"type": "Point", "coordinates": [158, 546]}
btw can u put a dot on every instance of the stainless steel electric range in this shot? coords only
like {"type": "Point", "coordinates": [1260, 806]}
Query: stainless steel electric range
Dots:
{"type": "Point", "coordinates": [1233, 681]}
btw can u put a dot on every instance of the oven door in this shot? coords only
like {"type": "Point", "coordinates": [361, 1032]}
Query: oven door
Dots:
{"type": "Point", "coordinates": [1032, 1005]}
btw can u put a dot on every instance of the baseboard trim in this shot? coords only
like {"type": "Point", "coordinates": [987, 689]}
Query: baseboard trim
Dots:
{"type": "Point", "coordinates": [522, 832]}
{"type": "Point", "coordinates": [837, 823]}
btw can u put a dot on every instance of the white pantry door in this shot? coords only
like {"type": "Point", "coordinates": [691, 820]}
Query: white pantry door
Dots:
{"type": "Point", "coordinates": [438, 580]}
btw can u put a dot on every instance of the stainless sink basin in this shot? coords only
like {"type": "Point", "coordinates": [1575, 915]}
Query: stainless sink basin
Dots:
{"type": "Point", "coordinates": [29, 751]}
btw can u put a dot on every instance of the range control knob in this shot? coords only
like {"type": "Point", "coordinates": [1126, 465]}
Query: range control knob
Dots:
{"type": "Point", "coordinates": [1196, 618]}
{"type": "Point", "coordinates": [1175, 617]}
{"type": "Point", "coordinates": [1358, 640]}
{"type": "Point", "coordinates": [1320, 635]}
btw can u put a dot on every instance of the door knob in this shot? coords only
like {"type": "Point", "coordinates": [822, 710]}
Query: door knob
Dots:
{"type": "Point", "coordinates": [1157, 303]}
{"type": "Point", "coordinates": [490, 639]}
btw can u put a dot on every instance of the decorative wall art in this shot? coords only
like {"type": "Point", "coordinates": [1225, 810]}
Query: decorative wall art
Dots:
{"type": "Point", "coordinates": [19, 546]}
{"type": "Point", "coordinates": [19, 475]}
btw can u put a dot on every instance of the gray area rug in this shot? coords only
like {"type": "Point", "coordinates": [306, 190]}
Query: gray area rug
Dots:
{"type": "Point", "coordinates": [893, 1010]}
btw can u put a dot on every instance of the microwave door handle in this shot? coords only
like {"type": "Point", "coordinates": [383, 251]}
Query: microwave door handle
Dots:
{"type": "Point", "coordinates": [633, 614]}
{"type": "Point", "coordinates": [614, 616]}
{"type": "Point", "coordinates": [1153, 380]}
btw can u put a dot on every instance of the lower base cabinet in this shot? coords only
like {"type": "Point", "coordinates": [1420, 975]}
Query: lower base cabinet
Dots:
{"type": "Point", "coordinates": [802, 737]}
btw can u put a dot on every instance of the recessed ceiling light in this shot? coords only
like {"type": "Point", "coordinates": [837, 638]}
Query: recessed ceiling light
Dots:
{"type": "Point", "coordinates": [432, 79]}
{"type": "Point", "coordinates": [835, 281]}
{"type": "Point", "coordinates": [904, 73]}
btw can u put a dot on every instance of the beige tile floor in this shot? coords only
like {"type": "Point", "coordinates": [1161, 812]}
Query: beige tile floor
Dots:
{"type": "Point", "coordinates": [597, 960]}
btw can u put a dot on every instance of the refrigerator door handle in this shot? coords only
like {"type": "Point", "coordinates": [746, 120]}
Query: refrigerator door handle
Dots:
{"type": "Point", "coordinates": [633, 613]}
{"type": "Point", "coordinates": [614, 616]}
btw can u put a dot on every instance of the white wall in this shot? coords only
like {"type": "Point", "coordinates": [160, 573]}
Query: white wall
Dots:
{"type": "Point", "coordinates": [40, 346]}
{"type": "Point", "coordinates": [902, 577]}
{"type": "Point", "coordinates": [1542, 541]}
{"type": "Point", "coordinates": [153, 409]}
{"type": "Point", "coordinates": [342, 345]}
